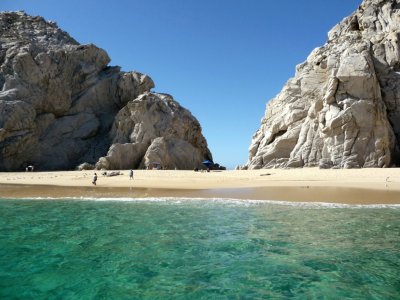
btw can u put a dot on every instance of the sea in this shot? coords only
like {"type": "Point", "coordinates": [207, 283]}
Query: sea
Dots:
{"type": "Point", "coordinates": [178, 248]}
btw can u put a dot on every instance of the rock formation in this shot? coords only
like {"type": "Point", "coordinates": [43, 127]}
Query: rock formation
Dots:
{"type": "Point", "coordinates": [342, 108]}
{"type": "Point", "coordinates": [155, 128]}
{"type": "Point", "coordinates": [61, 105]}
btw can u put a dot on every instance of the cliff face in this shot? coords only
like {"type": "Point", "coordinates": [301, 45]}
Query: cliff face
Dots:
{"type": "Point", "coordinates": [62, 105]}
{"type": "Point", "coordinates": [342, 108]}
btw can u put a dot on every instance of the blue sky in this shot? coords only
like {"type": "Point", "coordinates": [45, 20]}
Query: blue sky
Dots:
{"type": "Point", "coordinates": [221, 59]}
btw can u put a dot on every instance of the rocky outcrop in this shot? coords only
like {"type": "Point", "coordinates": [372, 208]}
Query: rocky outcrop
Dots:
{"type": "Point", "coordinates": [62, 105]}
{"type": "Point", "coordinates": [154, 128]}
{"type": "Point", "coordinates": [342, 108]}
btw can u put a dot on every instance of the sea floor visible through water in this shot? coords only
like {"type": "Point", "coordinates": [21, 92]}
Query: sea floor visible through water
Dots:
{"type": "Point", "coordinates": [197, 249]}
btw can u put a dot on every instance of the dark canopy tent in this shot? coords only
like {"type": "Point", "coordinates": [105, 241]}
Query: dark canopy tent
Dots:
{"type": "Point", "coordinates": [207, 163]}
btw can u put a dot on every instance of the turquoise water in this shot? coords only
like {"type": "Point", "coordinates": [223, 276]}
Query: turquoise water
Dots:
{"type": "Point", "coordinates": [194, 249]}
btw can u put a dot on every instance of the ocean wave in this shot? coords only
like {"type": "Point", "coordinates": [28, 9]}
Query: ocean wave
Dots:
{"type": "Point", "coordinates": [213, 201]}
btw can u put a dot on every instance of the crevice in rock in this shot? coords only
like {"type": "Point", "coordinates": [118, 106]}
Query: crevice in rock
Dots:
{"type": "Point", "coordinates": [354, 26]}
{"type": "Point", "coordinates": [276, 135]}
{"type": "Point", "coordinates": [395, 5]}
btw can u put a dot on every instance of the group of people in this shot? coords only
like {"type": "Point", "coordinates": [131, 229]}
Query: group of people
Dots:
{"type": "Point", "coordinates": [94, 181]}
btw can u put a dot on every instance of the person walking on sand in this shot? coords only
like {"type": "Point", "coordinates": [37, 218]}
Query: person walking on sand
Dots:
{"type": "Point", "coordinates": [94, 179]}
{"type": "Point", "coordinates": [131, 174]}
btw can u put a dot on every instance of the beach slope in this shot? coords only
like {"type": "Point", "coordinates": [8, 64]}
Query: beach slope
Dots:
{"type": "Point", "coordinates": [353, 186]}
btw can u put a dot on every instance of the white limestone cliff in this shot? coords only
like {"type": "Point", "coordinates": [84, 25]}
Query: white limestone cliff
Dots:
{"type": "Point", "coordinates": [342, 108]}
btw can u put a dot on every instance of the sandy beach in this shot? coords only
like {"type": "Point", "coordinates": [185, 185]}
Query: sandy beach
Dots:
{"type": "Point", "coordinates": [354, 186]}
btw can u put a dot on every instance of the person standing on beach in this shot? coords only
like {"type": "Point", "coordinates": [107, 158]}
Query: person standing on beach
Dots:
{"type": "Point", "coordinates": [94, 179]}
{"type": "Point", "coordinates": [131, 174]}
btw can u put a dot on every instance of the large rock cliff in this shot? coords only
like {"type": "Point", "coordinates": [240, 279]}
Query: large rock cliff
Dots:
{"type": "Point", "coordinates": [61, 105]}
{"type": "Point", "coordinates": [342, 108]}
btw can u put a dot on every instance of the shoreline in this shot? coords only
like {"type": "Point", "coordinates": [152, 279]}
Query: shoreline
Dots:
{"type": "Point", "coordinates": [331, 195]}
{"type": "Point", "coordinates": [354, 186]}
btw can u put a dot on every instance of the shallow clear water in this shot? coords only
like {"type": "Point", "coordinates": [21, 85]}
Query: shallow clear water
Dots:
{"type": "Point", "coordinates": [181, 249]}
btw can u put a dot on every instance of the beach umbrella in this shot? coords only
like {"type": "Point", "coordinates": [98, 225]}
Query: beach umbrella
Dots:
{"type": "Point", "coordinates": [207, 163]}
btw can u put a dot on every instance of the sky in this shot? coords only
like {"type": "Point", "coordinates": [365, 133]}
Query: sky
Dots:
{"type": "Point", "coordinates": [221, 59]}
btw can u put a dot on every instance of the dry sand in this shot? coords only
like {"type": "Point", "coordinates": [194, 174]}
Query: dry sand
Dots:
{"type": "Point", "coordinates": [356, 186]}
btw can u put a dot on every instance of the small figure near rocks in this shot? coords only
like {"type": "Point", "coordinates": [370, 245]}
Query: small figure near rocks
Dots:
{"type": "Point", "coordinates": [131, 174]}
{"type": "Point", "coordinates": [94, 179]}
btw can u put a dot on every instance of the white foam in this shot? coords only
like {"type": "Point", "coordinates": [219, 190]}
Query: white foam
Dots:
{"type": "Point", "coordinates": [224, 201]}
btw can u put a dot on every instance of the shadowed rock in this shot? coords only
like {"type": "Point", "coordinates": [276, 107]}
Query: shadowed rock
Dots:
{"type": "Point", "coordinates": [61, 105]}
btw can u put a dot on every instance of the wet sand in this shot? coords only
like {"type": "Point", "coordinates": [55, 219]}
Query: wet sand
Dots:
{"type": "Point", "coordinates": [359, 186]}
{"type": "Point", "coordinates": [293, 194]}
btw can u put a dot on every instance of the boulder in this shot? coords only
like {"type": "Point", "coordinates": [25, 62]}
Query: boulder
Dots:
{"type": "Point", "coordinates": [155, 128]}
